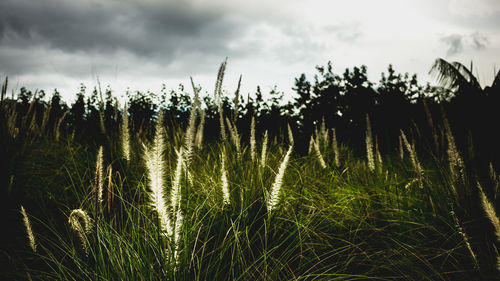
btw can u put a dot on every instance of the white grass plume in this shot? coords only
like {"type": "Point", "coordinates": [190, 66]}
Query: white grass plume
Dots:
{"type": "Point", "coordinates": [155, 165]}
{"type": "Point", "coordinates": [413, 155]}
{"type": "Point", "coordinates": [218, 98]}
{"type": "Point", "coordinates": [175, 193]}
{"type": "Point", "coordinates": [179, 220]}
{"type": "Point", "coordinates": [29, 230]}
{"type": "Point", "coordinates": [252, 139]}
{"type": "Point", "coordinates": [457, 166]}
{"type": "Point", "coordinates": [273, 198]}
{"type": "Point", "coordinates": [336, 148]}
{"type": "Point", "coordinates": [311, 145]}
{"type": "Point", "coordinates": [99, 175]}
{"type": "Point", "coordinates": [125, 134]}
{"type": "Point", "coordinates": [465, 238]}
{"type": "Point", "coordinates": [263, 156]}
{"type": "Point", "coordinates": [290, 134]}
{"type": "Point", "coordinates": [369, 145]}
{"type": "Point", "coordinates": [224, 182]}
{"type": "Point", "coordinates": [401, 150]}
{"type": "Point", "coordinates": [321, 160]}
{"type": "Point", "coordinates": [189, 138]}
{"type": "Point", "coordinates": [378, 155]}
{"type": "Point", "coordinates": [74, 221]}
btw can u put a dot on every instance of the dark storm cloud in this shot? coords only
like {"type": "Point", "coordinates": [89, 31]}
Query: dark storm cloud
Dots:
{"type": "Point", "coordinates": [159, 30]}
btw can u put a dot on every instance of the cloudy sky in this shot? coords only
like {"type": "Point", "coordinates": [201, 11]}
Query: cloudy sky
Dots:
{"type": "Point", "coordinates": [47, 44]}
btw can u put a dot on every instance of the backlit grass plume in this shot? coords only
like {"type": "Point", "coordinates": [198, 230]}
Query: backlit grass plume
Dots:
{"type": "Point", "coordinates": [155, 166]}
{"type": "Point", "coordinates": [316, 147]}
{"type": "Point", "coordinates": [369, 145]}
{"type": "Point", "coordinates": [175, 193]}
{"type": "Point", "coordinates": [29, 230]}
{"type": "Point", "coordinates": [252, 139]}
{"type": "Point", "coordinates": [489, 209]}
{"type": "Point", "coordinates": [75, 219]}
{"type": "Point", "coordinates": [336, 148]}
{"type": "Point", "coordinates": [273, 198]}
{"type": "Point", "coordinates": [263, 156]}
{"type": "Point", "coordinates": [125, 134]}
{"type": "Point", "coordinates": [224, 182]}
{"type": "Point", "coordinates": [99, 175]}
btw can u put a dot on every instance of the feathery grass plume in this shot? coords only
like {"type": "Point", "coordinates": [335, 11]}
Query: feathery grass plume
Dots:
{"type": "Point", "coordinates": [155, 166]}
{"type": "Point", "coordinates": [29, 230]}
{"type": "Point", "coordinates": [401, 150]}
{"type": "Point", "coordinates": [179, 219]}
{"type": "Point", "coordinates": [494, 178]}
{"type": "Point", "coordinates": [74, 222]}
{"type": "Point", "coordinates": [465, 238]}
{"type": "Point", "coordinates": [236, 101]}
{"type": "Point", "coordinates": [175, 193]}
{"type": "Point", "coordinates": [57, 129]}
{"type": "Point", "coordinates": [263, 156]}
{"type": "Point", "coordinates": [224, 183]}
{"type": "Point", "coordinates": [489, 209]}
{"type": "Point", "coordinates": [233, 132]}
{"type": "Point", "coordinates": [290, 134]}
{"type": "Point", "coordinates": [252, 139]}
{"type": "Point", "coordinates": [431, 125]}
{"type": "Point", "coordinates": [99, 175]}
{"type": "Point", "coordinates": [311, 145]}
{"type": "Point", "coordinates": [101, 108]}
{"type": "Point", "coordinates": [324, 132]}
{"type": "Point", "coordinates": [335, 148]}
{"type": "Point", "coordinates": [125, 134]}
{"type": "Point", "coordinates": [369, 145]}
{"type": "Point", "coordinates": [218, 98]}
{"type": "Point", "coordinates": [11, 113]}
{"type": "Point", "coordinates": [199, 131]}
{"type": "Point", "coordinates": [191, 129]}
{"type": "Point", "coordinates": [457, 166]}
{"type": "Point", "coordinates": [110, 187]}
{"type": "Point", "coordinates": [377, 154]}
{"type": "Point", "coordinates": [273, 198]}
{"type": "Point", "coordinates": [318, 153]}
{"type": "Point", "coordinates": [413, 155]}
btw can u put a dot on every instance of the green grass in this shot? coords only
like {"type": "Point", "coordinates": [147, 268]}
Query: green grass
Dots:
{"type": "Point", "coordinates": [337, 223]}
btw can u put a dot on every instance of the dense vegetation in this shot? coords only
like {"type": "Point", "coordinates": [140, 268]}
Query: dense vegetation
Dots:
{"type": "Point", "coordinates": [346, 181]}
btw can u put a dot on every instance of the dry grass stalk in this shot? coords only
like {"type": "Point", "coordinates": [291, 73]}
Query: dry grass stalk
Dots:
{"type": "Point", "coordinates": [273, 198]}
{"type": "Point", "coordinates": [369, 145]}
{"type": "Point", "coordinates": [252, 140]}
{"type": "Point", "coordinates": [155, 165]}
{"type": "Point", "coordinates": [324, 132]}
{"type": "Point", "coordinates": [263, 156]}
{"type": "Point", "coordinates": [335, 148]}
{"type": "Point", "coordinates": [311, 145]}
{"type": "Point", "coordinates": [110, 187]}
{"type": "Point", "coordinates": [29, 230]}
{"type": "Point", "coordinates": [125, 134]}
{"type": "Point", "coordinates": [99, 175]}
{"type": "Point", "coordinates": [45, 119]}
{"type": "Point", "coordinates": [57, 130]}
{"type": "Point", "coordinates": [489, 209]}
{"type": "Point", "coordinates": [224, 182]}
{"type": "Point", "coordinates": [74, 219]}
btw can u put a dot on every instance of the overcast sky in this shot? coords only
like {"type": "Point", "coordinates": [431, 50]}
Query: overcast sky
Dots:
{"type": "Point", "coordinates": [49, 44]}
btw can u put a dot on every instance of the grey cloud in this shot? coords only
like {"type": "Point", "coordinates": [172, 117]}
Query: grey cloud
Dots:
{"type": "Point", "coordinates": [479, 41]}
{"type": "Point", "coordinates": [454, 42]}
{"type": "Point", "coordinates": [457, 42]}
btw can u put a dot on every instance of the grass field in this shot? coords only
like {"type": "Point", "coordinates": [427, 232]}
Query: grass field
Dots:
{"type": "Point", "coordinates": [172, 206]}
